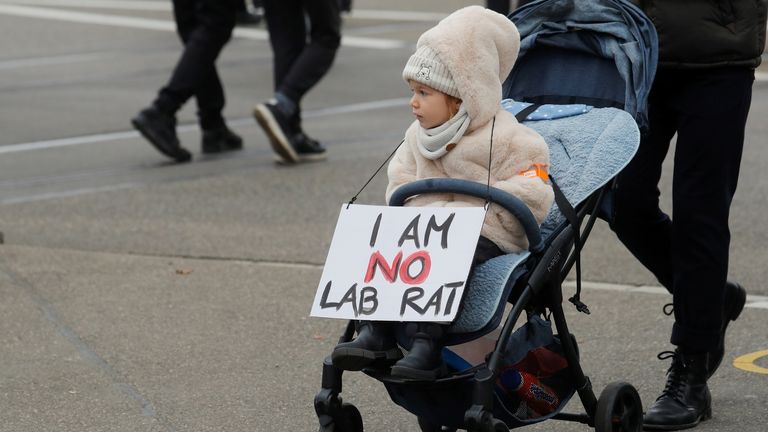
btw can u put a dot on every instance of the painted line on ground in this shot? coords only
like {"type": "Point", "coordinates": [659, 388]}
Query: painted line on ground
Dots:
{"type": "Point", "coordinates": [51, 60]}
{"type": "Point", "coordinates": [747, 362]}
{"type": "Point", "coordinates": [115, 136]}
{"type": "Point", "coordinates": [753, 301]}
{"type": "Point", "coordinates": [761, 76]}
{"type": "Point", "coordinates": [165, 25]}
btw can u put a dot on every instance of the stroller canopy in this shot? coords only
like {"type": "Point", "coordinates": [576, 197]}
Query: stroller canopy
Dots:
{"type": "Point", "coordinates": [599, 52]}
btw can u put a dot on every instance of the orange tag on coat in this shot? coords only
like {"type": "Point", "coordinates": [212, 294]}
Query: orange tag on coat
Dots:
{"type": "Point", "coordinates": [537, 170]}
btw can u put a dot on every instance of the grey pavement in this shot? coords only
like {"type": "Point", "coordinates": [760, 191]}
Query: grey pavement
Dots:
{"type": "Point", "coordinates": [139, 295]}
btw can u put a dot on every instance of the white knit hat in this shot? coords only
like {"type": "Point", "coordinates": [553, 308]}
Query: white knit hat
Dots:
{"type": "Point", "coordinates": [425, 67]}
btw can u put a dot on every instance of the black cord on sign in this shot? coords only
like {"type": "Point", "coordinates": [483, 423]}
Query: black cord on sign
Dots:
{"type": "Point", "coordinates": [490, 152]}
{"type": "Point", "coordinates": [354, 198]}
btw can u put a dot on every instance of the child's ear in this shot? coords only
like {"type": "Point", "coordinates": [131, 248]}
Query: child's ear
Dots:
{"type": "Point", "coordinates": [454, 103]}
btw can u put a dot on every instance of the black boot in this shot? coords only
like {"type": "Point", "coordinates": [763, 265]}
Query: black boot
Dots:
{"type": "Point", "coordinates": [735, 297]}
{"type": "Point", "coordinates": [374, 346]}
{"type": "Point", "coordinates": [424, 361]}
{"type": "Point", "coordinates": [686, 399]}
{"type": "Point", "coordinates": [220, 140]}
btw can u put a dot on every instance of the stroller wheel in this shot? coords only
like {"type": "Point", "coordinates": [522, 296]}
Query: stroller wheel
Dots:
{"type": "Point", "coordinates": [619, 409]}
{"type": "Point", "coordinates": [348, 420]}
{"type": "Point", "coordinates": [426, 426]}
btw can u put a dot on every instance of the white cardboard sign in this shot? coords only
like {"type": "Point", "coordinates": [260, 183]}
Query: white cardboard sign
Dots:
{"type": "Point", "coordinates": [398, 263]}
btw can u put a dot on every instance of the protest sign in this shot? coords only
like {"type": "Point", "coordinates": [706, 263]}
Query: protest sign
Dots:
{"type": "Point", "coordinates": [398, 263]}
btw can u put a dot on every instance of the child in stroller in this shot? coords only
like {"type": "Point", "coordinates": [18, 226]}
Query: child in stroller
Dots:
{"type": "Point", "coordinates": [461, 132]}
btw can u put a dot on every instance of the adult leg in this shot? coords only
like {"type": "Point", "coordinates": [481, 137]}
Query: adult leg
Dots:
{"type": "Point", "coordinates": [214, 20]}
{"type": "Point", "coordinates": [638, 220]}
{"type": "Point", "coordinates": [298, 66]}
{"type": "Point", "coordinates": [287, 35]}
{"type": "Point", "coordinates": [316, 58]}
{"type": "Point", "coordinates": [707, 161]}
{"type": "Point", "coordinates": [712, 107]}
{"type": "Point", "coordinates": [500, 6]}
{"type": "Point", "coordinates": [157, 123]}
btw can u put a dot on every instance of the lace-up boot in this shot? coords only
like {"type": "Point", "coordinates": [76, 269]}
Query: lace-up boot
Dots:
{"type": "Point", "coordinates": [685, 400]}
{"type": "Point", "coordinates": [374, 346]}
{"type": "Point", "coordinates": [424, 361]}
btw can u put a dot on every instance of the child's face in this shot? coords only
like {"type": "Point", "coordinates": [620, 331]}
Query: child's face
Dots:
{"type": "Point", "coordinates": [431, 107]}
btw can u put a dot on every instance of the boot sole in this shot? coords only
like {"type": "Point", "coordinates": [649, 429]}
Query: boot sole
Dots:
{"type": "Point", "coordinates": [357, 359]}
{"type": "Point", "coordinates": [280, 143]}
{"type": "Point", "coordinates": [417, 374]}
{"type": "Point", "coordinates": [302, 158]}
{"type": "Point", "coordinates": [706, 415]}
{"type": "Point", "coordinates": [179, 156]}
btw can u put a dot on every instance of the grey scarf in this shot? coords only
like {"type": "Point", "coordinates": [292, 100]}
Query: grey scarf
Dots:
{"type": "Point", "coordinates": [433, 143]}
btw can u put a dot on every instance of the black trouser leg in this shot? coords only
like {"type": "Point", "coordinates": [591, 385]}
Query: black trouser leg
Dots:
{"type": "Point", "coordinates": [500, 6]}
{"type": "Point", "coordinates": [204, 26]}
{"type": "Point", "coordinates": [299, 64]}
{"type": "Point", "coordinates": [689, 254]}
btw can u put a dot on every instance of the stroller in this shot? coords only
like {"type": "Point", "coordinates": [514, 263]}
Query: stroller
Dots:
{"type": "Point", "coordinates": [598, 56]}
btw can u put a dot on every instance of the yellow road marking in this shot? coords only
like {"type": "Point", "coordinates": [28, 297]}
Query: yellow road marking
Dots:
{"type": "Point", "coordinates": [747, 362]}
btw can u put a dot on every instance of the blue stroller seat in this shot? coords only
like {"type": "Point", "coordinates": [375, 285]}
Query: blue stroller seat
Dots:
{"type": "Point", "coordinates": [599, 53]}
{"type": "Point", "coordinates": [586, 152]}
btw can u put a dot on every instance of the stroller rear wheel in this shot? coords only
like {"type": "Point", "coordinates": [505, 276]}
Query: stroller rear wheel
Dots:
{"type": "Point", "coordinates": [426, 426]}
{"type": "Point", "coordinates": [619, 409]}
{"type": "Point", "coordinates": [349, 420]}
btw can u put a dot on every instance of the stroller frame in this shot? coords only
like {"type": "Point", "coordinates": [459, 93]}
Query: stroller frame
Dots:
{"type": "Point", "coordinates": [540, 289]}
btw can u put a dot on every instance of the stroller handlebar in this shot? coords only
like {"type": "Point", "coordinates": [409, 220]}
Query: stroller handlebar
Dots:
{"type": "Point", "coordinates": [510, 202]}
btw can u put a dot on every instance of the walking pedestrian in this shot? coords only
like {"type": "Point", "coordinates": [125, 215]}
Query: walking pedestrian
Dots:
{"type": "Point", "coordinates": [204, 27]}
{"type": "Point", "coordinates": [302, 57]}
{"type": "Point", "coordinates": [702, 93]}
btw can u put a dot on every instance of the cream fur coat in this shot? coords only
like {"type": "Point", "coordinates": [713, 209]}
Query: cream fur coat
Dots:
{"type": "Point", "coordinates": [479, 47]}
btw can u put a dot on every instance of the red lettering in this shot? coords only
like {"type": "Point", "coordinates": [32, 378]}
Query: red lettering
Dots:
{"type": "Point", "coordinates": [389, 272]}
{"type": "Point", "coordinates": [426, 265]}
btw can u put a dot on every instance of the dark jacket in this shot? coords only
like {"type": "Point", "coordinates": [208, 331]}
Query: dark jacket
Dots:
{"type": "Point", "coordinates": [708, 33]}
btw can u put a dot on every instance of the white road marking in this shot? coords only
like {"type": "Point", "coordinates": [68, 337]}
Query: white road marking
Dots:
{"type": "Point", "coordinates": [166, 25]}
{"type": "Point", "coordinates": [761, 76]}
{"type": "Point", "coordinates": [99, 4]}
{"type": "Point", "coordinates": [115, 136]}
{"type": "Point", "coordinates": [68, 193]}
{"type": "Point", "coordinates": [52, 60]}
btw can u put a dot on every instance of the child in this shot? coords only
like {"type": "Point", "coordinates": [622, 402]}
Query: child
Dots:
{"type": "Point", "coordinates": [455, 77]}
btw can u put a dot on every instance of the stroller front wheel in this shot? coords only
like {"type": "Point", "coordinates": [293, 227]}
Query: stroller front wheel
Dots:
{"type": "Point", "coordinates": [348, 420]}
{"type": "Point", "coordinates": [619, 409]}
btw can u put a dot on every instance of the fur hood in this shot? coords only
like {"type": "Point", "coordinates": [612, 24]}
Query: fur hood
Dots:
{"type": "Point", "coordinates": [468, 37]}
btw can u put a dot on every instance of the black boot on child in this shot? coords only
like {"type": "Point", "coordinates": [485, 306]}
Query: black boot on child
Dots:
{"type": "Point", "coordinates": [374, 346]}
{"type": "Point", "coordinates": [424, 361]}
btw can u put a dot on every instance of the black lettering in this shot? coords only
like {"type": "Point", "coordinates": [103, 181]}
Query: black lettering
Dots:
{"type": "Point", "coordinates": [451, 296]}
{"type": "Point", "coordinates": [409, 299]}
{"type": "Point", "coordinates": [349, 297]}
{"type": "Point", "coordinates": [324, 304]}
{"type": "Point", "coordinates": [375, 232]}
{"type": "Point", "coordinates": [411, 232]}
{"type": "Point", "coordinates": [434, 301]}
{"type": "Point", "coordinates": [433, 226]}
{"type": "Point", "coordinates": [368, 295]}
